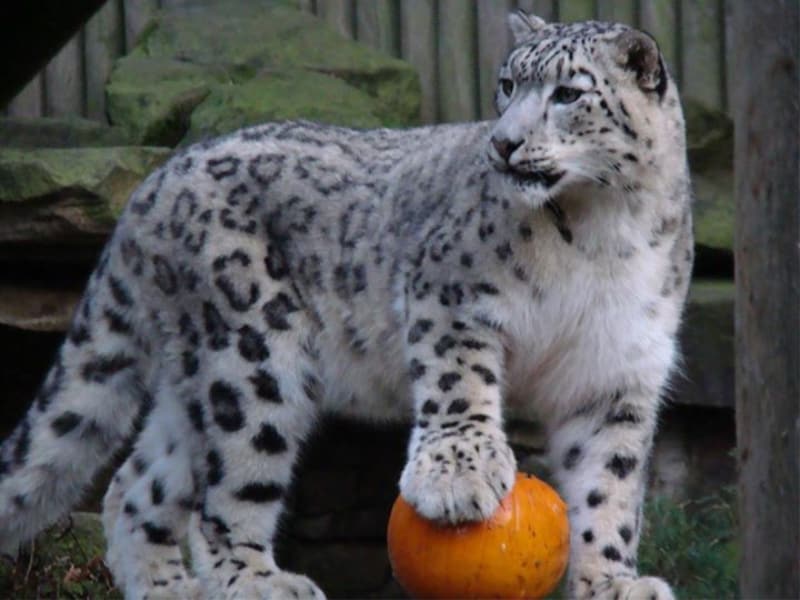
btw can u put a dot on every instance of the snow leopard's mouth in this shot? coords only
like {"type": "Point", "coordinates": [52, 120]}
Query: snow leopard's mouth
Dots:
{"type": "Point", "coordinates": [545, 178]}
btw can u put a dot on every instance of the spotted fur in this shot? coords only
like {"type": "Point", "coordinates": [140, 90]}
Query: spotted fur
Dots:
{"type": "Point", "coordinates": [450, 275]}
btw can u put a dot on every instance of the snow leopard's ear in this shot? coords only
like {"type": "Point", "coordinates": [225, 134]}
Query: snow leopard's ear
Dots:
{"type": "Point", "coordinates": [524, 26]}
{"type": "Point", "coordinates": [638, 52]}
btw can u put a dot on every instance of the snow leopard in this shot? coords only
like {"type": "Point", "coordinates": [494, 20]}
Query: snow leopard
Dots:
{"type": "Point", "coordinates": [450, 276]}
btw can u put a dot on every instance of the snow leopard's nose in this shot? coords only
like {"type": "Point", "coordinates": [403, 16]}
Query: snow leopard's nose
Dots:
{"type": "Point", "coordinates": [505, 147]}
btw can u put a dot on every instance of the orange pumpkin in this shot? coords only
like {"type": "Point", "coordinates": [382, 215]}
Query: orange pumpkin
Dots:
{"type": "Point", "coordinates": [520, 552]}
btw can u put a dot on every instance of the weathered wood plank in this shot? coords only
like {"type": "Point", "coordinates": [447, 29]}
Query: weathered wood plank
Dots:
{"type": "Point", "coordinates": [103, 43]}
{"type": "Point", "coordinates": [339, 14]}
{"type": "Point", "coordinates": [63, 80]}
{"type": "Point", "coordinates": [137, 14]}
{"type": "Point", "coordinates": [418, 46]}
{"type": "Point", "coordinates": [619, 11]}
{"type": "Point", "coordinates": [494, 42]}
{"type": "Point", "coordinates": [575, 10]}
{"type": "Point", "coordinates": [546, 9]}
{"type": "Point", "coordinates": [767, 189]}
{"type": "Point", "coordinates": [701, 56]}
{"type": "Point", "coordinates": [659, 19]}
{"type": "Point", "coordinates": [377, 25]}
{"type": "Point", "coordinates": [28, 103]}
{"type": "Point", "coordinates": [458, 69]}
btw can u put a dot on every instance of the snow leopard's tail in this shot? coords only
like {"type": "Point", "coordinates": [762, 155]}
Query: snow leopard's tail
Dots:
{"type": "Point", "coordinates": [85, 410]}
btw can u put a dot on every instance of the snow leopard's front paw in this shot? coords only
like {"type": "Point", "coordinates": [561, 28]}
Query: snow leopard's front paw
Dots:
{"type": "Point", "coordinates": [279, 586]}
{"type": "Point", "coordinates": [249, 584]}
{"type": "Point", "coordinates": [625, 588]}
{"type": "Point", "coordinates": [458, 479]}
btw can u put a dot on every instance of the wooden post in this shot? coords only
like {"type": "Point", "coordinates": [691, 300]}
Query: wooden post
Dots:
{"type": "Point", "coordinates": [766, 113]}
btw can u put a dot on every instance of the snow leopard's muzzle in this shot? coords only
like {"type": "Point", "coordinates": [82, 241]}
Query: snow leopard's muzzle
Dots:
{"type": "Point", "coordinates": [523, 172]}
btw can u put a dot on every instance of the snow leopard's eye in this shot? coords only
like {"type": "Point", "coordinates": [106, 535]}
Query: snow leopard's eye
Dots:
{"type": "Point", "coordinates": [507, 85]}
{"type": "Point", "coordinates": [566, 95]}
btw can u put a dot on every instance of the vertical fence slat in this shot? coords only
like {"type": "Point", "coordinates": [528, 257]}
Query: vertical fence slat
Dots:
{"type": "Point", "coordinates": [339, 14]}
{"type": "Point", "coordinates": [575, 10]}
{"type": "Point", "coordinates": [137, 14]}
{"type": "Point", "coordinates": [458, 91]}
{"type": "Point", "coordinates": [63, 80]}
{"type": "Point", "coordinates": [171, 4]}
{"type": "Point", "coordinates": [546, 9]}
{"type": "Point", "coordinates": [702, 60]}
{"type": "Point", "coordinates": [619, 11]}
{"type": "Point", "coordinates": [103, 43]}
{"type": "Point", "coordinates": [494, 42]}
{"type": "Point", "coordinates": [28, 103]}
{"type": "Point", "coordinates": [659, 19]}
{"type": "Point", "coordinates": [418, 47]}
{"type": "Point", "coordinates": [377, 25]}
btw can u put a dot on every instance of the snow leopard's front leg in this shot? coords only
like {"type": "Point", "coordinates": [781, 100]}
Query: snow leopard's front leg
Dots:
{"type": "Point", "coordinates": [599, 455]}
{"type": "Point", "coordinates": [459, 465]}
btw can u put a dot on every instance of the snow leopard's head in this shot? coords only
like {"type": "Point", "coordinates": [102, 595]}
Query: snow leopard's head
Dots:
{"type": "Point", "coordinates": [583, 104]}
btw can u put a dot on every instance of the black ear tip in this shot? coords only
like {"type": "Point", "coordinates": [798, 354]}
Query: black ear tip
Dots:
{"type": "Point", "coordinates": [663, 78]}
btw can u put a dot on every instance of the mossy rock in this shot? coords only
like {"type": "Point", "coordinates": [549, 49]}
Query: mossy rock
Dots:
{"type": "Point", "coordinates": [710, 149]}
{"type": "Point", "coordinates": [248, 36]}
{"type": "Point", "coordinates": [58, 132]}
{"type": "Point", "coordinates": [153, 98]}
{"type": "Point", "coordinates": [210, 48]}
{"type": "Point", "coordinates": [54, 193]}
{"type": "Point", "coordinates": [282, 96]}
{"type": "Point", "coordinates": [66, 561]}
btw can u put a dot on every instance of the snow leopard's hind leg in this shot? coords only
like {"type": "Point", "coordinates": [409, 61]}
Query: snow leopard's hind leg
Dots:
{"type": "Point", "coordinates": [599, 455]}
{"type": "Point", "coordinates": [147, 507]}
{"type": "Point", "coordinates": [260, 396]}
{"type": "Point", "coordinates": [85, 410]}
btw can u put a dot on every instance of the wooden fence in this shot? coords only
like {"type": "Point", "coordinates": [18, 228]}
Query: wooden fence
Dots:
{"type": "Point", "coordinates": [456, 46]}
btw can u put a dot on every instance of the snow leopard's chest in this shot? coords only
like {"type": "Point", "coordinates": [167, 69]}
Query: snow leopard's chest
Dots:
{"type": "Point", "coordinates": [589, 330]}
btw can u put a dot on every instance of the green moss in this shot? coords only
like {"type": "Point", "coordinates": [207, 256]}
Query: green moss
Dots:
{"type": "Point", "coordinates": [247, 40]}
{"type": "Point", "coordinates": [709, 136]}
{"type": "Point", "coordinates": [714, 211]}
{"type": "Point", "coordinates": [98, 180]}
{"type": "Point", "coordinates": [710, 147]}
{"type": "Point", "coordinates": [285, 95]}
{"type": "Point", "coordinates": [65, 562]}
{"type": "Point", "coordinates": [711, 291]}
{"type": "Point", "coordinates": [152, 99]}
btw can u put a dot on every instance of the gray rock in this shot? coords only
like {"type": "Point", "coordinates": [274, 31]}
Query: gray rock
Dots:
{"type": "Point", "coordinates": [36, 308]}
{"type": "Point", "coordinates": [56, 194]}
